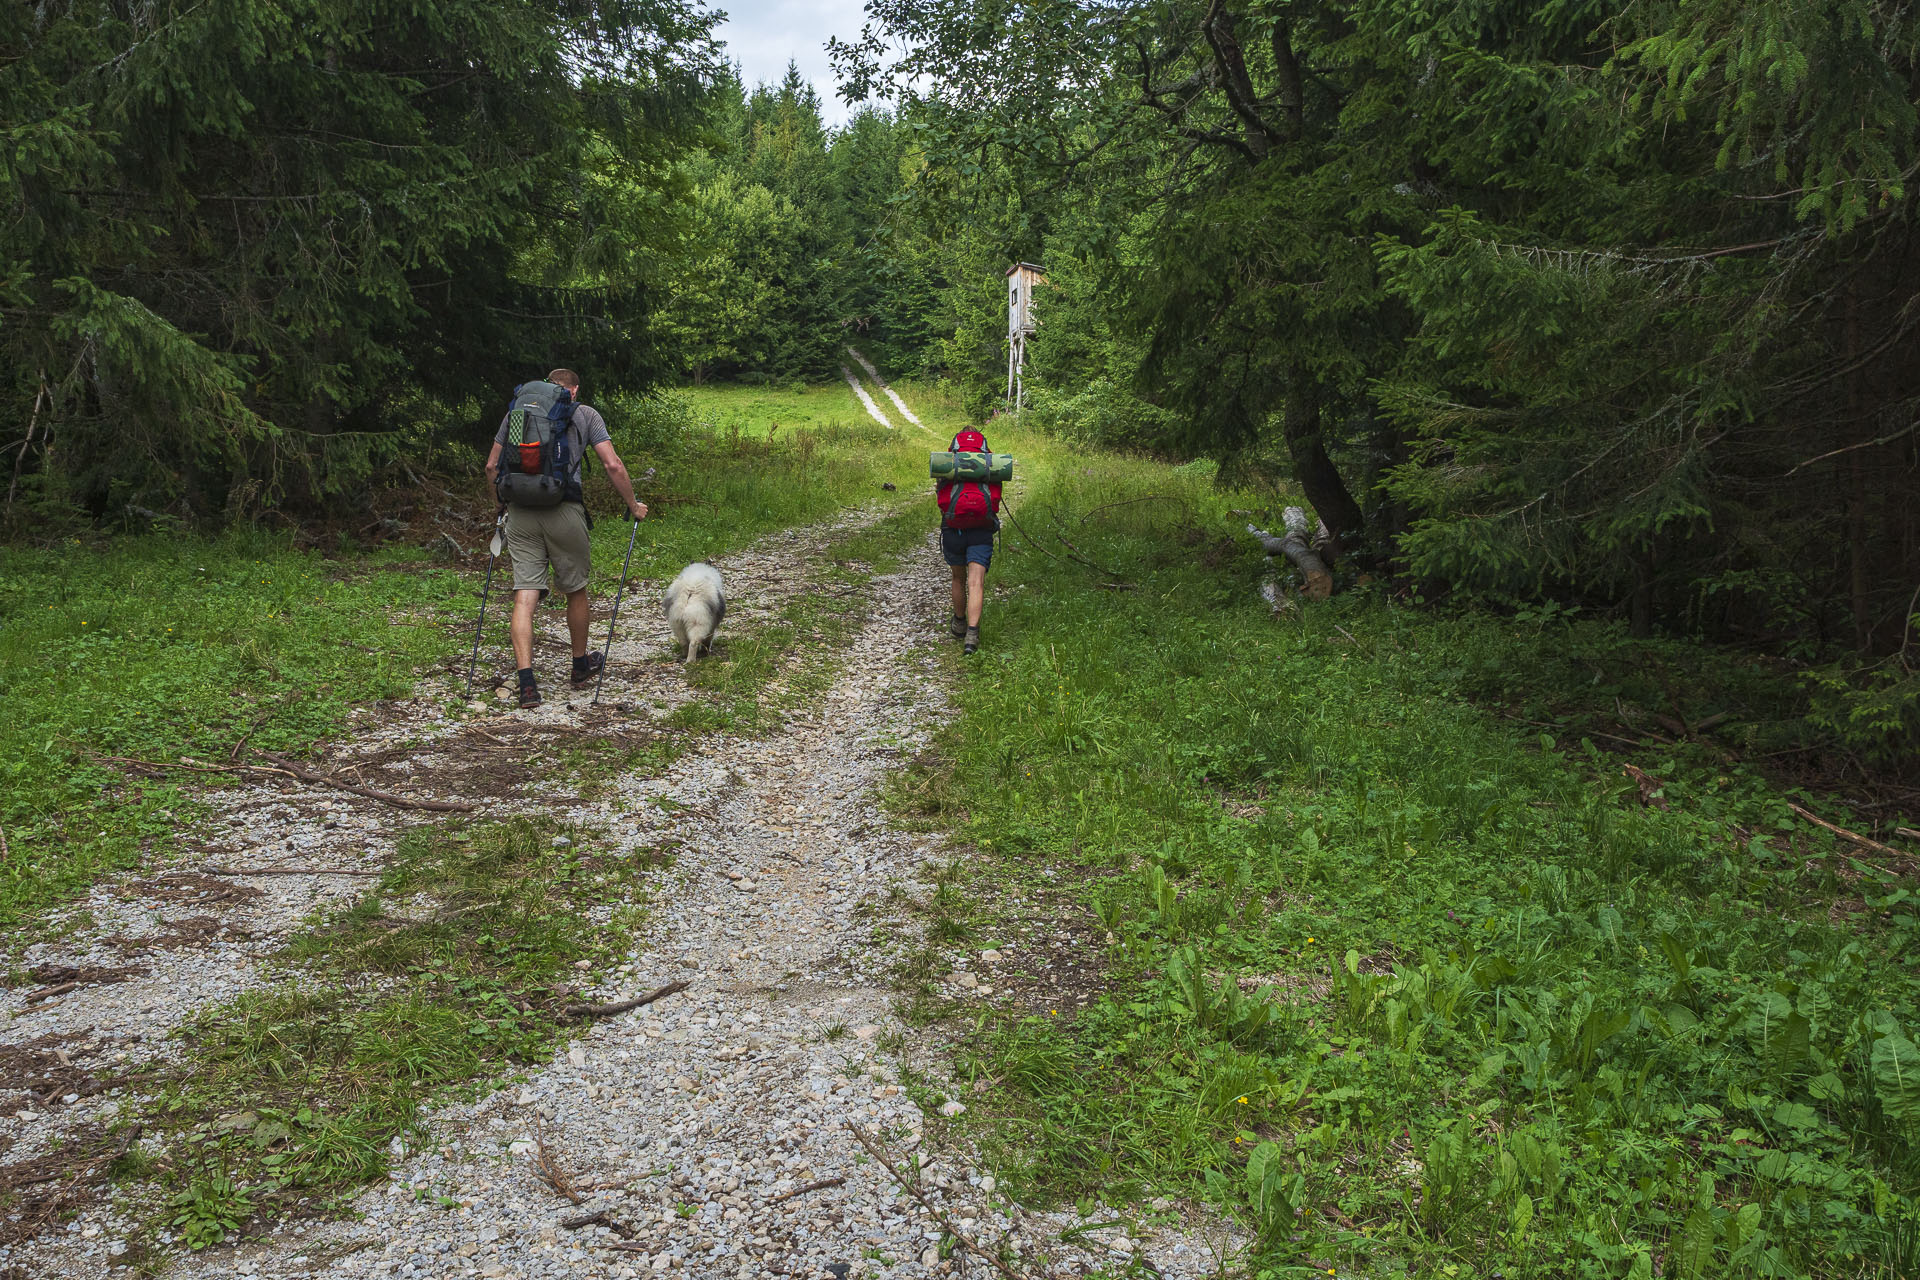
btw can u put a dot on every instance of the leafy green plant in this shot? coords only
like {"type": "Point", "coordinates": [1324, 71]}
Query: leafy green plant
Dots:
{"type": "Point", "coordinates": [212, 1208]}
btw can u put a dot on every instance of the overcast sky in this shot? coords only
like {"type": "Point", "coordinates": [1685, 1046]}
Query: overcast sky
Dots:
{"type": "Point", "coordinates": [762, 35]}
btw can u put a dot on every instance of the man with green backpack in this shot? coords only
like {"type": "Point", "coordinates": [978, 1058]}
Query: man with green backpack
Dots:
{"type": "Point", "coordinates": [535, 472]}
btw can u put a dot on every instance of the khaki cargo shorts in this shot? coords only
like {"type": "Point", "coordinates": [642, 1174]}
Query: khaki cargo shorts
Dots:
{"type": "Point", "coordinates": [538, 536]}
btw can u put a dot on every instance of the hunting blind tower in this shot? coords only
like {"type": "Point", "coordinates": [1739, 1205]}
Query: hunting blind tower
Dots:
{"type": "Point", "coordinates": [1022, 279]}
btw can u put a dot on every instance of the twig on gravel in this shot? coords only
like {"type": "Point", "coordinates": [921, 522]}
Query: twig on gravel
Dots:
{"type": "Point", "coordinates": [282, 768]}
{"type": "Point", "coordinates": [550, 1171]}
{"type": "Point", "coordinates": [48, 993]}
{"type": "Point", "coordinates": [885, 1161]}
{"type": "Point", "coordinates": [305, 774]}
{"type": "Point", "coordinates": [821, 1185]}
{"type": "Point", "coordinates": [283, 871]}
{"type": "Point", "coordinates": [602, 1218]}
{"type": "Point", "coordinates": [621, 1006]}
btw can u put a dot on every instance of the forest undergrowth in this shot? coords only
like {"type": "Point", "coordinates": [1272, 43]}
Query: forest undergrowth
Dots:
{"type": "Point", "coordinates": [1403, 961]}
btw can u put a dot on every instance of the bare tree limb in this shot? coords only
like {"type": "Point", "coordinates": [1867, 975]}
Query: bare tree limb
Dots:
{"type": "Point", "coordinates": [1296, 546]}
{"type": "Point", "coordinates": [621, 1006]}
{"type": "Point", "coordinates": [1238, 85]}
{"type": "Point", "coordinates": [885, 1161]}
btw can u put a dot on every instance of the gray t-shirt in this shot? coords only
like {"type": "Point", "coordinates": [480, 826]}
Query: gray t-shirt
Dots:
{"type": "Point", "coordinates": [587, 430]}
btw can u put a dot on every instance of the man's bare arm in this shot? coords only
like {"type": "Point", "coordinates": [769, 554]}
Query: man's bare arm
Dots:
{"type": "Point", "coordinates": [493, 465]}
{"type": "Point", "coordinates": [618, 477]}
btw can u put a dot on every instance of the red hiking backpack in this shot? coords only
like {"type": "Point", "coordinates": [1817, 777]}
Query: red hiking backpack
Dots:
{"type": "Point", "coordinates": [969, 504]}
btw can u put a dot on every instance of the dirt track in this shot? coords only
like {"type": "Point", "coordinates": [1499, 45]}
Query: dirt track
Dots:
{"type": "Point", "coordinates": [706, 1134]}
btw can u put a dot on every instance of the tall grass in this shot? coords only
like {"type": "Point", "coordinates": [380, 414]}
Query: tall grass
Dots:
{"type": "Point", "coordinates": [724, 478]}
{"type": "Point", "coordinates": [1404, 983]}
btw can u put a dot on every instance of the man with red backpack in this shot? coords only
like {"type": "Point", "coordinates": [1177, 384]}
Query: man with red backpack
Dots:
{"type": "Point", "coordinates": [968, 520]}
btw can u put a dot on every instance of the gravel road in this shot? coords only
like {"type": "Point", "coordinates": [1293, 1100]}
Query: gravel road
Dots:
{"type": "Point", "coordinates": [710, 1133]}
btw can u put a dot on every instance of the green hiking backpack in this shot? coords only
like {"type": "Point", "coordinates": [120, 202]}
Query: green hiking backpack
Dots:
{"type": "Point", "coordinates": [536, 462]}
{"type": "Point", "coordinates": [962, 464]}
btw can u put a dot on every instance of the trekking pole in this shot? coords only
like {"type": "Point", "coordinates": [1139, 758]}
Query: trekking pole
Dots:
{"type": "Point", "coordinates": [606, 654]}
{"type": "Point", "coordinates": [499, 524]}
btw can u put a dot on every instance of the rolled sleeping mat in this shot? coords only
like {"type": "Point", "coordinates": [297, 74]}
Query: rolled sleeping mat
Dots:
{"type": "Point", "coordinates": [995, 468]}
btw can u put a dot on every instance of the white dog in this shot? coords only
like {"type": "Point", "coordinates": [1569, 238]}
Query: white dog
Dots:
{"type": "Point", "coordinates": [695, 604]}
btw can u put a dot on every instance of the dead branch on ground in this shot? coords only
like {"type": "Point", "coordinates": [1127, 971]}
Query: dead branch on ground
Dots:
{"type": "Point", "coordinates": [305, 774]}
{"type": "Point", "coordinates": [821, 1185]}
{"type": "Point", "coordinates": [621, 1006]}
{"type": "Point", "coordinates": [1854, 836]}
{"type": "Point", "coordinates": [283, 871]}
{"type": "Point", "coordinates": [884, 1159]}
{"type": "Point", "coordinates": [1296, 546]}
{"type": "Point", "coordinates": [549, 1170]}
{"type": "Point", "coordinates": [283, 768]}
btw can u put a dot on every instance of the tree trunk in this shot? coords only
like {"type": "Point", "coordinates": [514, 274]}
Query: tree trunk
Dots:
{"type": "Point", "coordinates": [1640, 604]}
{"type": "Point", "coordinates": [1317, 582]}
{"type": "Point", "coordinates": [1858, 584]}
{"type": "Point", "coordinates": [1318, 477]}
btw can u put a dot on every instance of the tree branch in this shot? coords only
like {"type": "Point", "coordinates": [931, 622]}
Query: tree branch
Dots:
{"type": "Point", "coordinates": [1232, 63]}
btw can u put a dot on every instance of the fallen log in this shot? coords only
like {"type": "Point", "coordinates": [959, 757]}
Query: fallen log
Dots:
{"type": "Point", "coordinates": [1297, 546]}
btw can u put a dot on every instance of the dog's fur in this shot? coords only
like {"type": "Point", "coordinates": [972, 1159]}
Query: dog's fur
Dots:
{"type": "Point", "coordinates": [695, 604]}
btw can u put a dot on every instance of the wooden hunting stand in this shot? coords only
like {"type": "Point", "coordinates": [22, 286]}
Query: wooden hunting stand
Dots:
{"type": "Point", "coordinates": [1022, 279]}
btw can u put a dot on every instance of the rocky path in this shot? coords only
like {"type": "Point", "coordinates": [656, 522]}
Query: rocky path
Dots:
{"type": "Point", "coordinates": [709, 1133]}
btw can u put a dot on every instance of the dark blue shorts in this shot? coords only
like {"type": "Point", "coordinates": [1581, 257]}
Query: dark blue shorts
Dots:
{"type": "Point", "coordinates": [966, 546]}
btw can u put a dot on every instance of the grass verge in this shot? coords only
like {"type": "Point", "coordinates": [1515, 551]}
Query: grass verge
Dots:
{"type": "Point", "coordinates": [1404, 985]}
{"type": "Point", "coordinates": [159, 648]}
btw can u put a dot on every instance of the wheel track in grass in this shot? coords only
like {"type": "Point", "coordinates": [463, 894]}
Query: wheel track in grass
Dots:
{"type": "Point", "coordinates": [712, 1103]}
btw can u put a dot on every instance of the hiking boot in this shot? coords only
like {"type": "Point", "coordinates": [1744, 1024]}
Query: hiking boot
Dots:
{"type": "Point", "coordinates": [959, 627]}
{"type": "Point", "coordinates": [529, 695]}
{"type": "Point", "coordinates": [973, 640]}
{"type": "Point", "coordinates": [586, 667]}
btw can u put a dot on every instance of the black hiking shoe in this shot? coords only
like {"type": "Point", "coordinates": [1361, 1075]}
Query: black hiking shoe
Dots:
{"type": "Point", "coordinates": [586, 667]}
{"type": "Point", "coordinates": [973, 640]}
{"type": "Point", "coordinates": [958, 627]}
{"type": "Point", "coordinates": [529, 695]}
